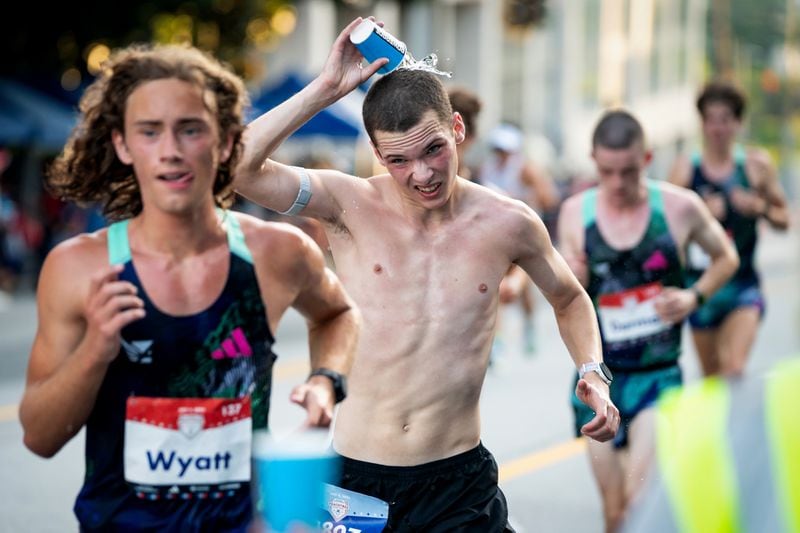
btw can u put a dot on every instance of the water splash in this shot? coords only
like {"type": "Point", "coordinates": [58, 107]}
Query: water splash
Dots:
{"type": "Point", "coordinates": [426, 64]}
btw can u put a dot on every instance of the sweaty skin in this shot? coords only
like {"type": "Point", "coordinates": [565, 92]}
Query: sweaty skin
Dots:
{"type": "Point", "coordinates": [422, 252]}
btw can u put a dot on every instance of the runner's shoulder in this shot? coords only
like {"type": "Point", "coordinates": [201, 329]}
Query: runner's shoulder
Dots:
{"type": "Point", "coordinates": [84, 252]}
{"type": "Point", "coordinates": [680, 200]}
{"type": "Point", "coordinates": [758, 164]}
{"type": "Point", "coordinates": [69, 267]}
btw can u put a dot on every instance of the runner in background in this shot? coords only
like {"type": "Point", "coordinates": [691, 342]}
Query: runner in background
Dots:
{"type": "Point", "coordinates": [740, 186]}
{"type": "Point", "coordinates": [625, 241]}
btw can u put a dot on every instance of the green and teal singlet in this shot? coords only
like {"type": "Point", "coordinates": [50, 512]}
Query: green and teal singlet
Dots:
{"type": "Point", "coordinates": [641, 350]}
{"type": "Point", "coordinates": [168, 440]}
{"type": "Point", "coordinates": [623, 285]}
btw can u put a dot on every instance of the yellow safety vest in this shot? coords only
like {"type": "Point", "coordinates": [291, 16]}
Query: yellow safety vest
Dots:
{"type": "Point", "coordinates": [704, 482]}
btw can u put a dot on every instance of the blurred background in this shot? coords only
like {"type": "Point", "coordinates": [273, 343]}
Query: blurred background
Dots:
{"type": "Point", "coordinates": [548, 67]}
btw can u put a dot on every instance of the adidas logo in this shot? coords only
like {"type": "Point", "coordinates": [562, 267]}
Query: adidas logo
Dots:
{"type": "Point", "coordinates": [234, 346]}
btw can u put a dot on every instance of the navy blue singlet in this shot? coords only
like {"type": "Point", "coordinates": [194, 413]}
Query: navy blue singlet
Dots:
{"type": "Point", "coordinates": [740, 228]}
{"type": "Point", "coordinates": [224, 351]}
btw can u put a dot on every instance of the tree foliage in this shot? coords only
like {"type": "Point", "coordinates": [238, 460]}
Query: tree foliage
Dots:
{"type": "Point", "coordinates": [42, 40]}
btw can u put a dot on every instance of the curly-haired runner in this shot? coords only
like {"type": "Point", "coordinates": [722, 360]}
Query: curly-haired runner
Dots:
{"type": "Point", "coordinates": [156, 333]}
{"type": "Point", "coordinates": [89, 170]}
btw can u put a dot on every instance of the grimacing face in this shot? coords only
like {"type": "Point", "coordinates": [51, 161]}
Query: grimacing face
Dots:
{"type": "Point", "coordinates": [423, 160]}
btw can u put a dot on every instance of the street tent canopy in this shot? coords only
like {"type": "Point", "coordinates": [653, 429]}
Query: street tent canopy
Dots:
{"type": "Point", "coordinates": [30, 118]}
{"type": "Point", "coordinates": [341, 120]}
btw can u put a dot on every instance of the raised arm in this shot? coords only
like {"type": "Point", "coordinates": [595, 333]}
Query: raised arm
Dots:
{"type": "Point", "coordinates": [577, 322]}
{"type": "Point", "coordinates": [277, 186]}
{"type": "Point", "coordinates": [76, 340]}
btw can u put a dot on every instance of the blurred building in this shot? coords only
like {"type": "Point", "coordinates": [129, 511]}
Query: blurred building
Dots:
{"type": "Point", "coordinates": [554, 79]}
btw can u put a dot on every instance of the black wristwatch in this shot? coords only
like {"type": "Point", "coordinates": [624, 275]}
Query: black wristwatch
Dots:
{"type": "Point", "coordinates": [701, 298]}
{"type": "Point", "coordinates": [339, 381]}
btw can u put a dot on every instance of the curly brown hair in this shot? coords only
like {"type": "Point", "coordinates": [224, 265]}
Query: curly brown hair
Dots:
{"type": "Point", "coordinates": [88, 170]}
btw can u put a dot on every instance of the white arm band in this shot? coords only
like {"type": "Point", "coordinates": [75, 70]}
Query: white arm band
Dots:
{"type": "Point", "coordinates": [303, 195]}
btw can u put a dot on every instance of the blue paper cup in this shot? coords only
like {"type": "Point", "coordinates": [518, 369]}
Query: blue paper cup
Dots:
{"type": "Point", "coordinates": [289, 478]}
{"type": "Point", "coordinates": [374, 43]}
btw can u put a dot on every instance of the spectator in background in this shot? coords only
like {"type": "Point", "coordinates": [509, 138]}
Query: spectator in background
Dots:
{"type": "Point", "coordinates": [468, 105]}
{"type": "Point", "coordinates": [9, 264]}
{"type": "Point", "coordinates": [509, 171]}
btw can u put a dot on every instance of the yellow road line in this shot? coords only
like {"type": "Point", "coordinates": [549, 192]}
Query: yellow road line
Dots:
{"type": "Point", "coordinates": [291, 369]}
{"type": "Point", "coordinates": [542, 458]}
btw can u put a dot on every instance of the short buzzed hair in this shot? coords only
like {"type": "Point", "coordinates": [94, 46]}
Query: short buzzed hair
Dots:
{"type": "Point", "coordinates": [617, 130]}
{"type": "Point", "coordinates": [398, 100]}
{"type": "Point", "coordinates": [720, 92]}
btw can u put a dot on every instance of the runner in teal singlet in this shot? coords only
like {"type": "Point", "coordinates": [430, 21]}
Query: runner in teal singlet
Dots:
{"type": "Point", "coordinates": [740, 187]}
{"type": "Point", "coordinates": [625, 241]}
{"type": "Point", "coordinates": [640, 349]}
{"type": "Point", "coordinates": [156, 334]}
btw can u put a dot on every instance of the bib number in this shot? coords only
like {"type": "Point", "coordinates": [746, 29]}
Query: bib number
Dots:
{"type": "Point", "coordinates": [179, 447]}
{"type": "Point", "coordinates": [631, 315]}
{"type": "Point", "coordinates": [352, 512]}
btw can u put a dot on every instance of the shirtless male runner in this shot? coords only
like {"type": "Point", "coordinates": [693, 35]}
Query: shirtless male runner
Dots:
{"type": "Point", "coordinates": [626, 242]}
{"type": "Point", "coordinates": [156, 334]}
{"type": "Point", "coordinates": [422, 252]}
{"type": "Point", "coordinates": [740, 188]}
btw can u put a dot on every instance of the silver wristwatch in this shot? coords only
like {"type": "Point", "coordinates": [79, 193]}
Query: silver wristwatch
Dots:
{"type": "Point", "coordinates": [600, 368]}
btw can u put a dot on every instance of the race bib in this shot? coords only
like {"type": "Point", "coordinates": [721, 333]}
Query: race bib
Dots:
{"type": "Point", "coordinates": [352, 512]}
{"type": "Point", "coordinates": [631, 315]}
{"type": "Point", "coordinates": [180, 447]}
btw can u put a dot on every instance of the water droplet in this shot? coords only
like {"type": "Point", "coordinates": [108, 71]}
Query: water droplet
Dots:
{"type": "Point", "coordinates": [426, 64]}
